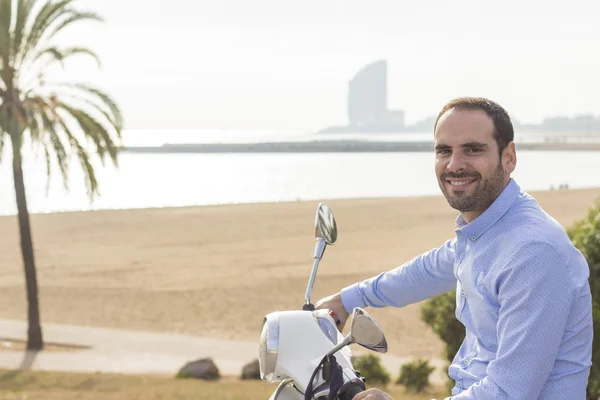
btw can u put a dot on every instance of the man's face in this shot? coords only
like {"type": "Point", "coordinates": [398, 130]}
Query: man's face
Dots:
{"type": "Point", "coordinates": [470, 172]}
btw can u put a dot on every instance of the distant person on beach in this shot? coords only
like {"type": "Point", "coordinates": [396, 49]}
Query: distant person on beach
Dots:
{"type": "Point", "coordinates": [522, 287]}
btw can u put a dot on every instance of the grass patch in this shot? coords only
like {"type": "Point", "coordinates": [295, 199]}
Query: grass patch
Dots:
{"type": "Point", "coordinates": [38, 385]}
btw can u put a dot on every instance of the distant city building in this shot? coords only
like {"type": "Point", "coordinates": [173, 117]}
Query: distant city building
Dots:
{"type": "Point", "coordinates": [367, 100]}
{"type": "Point", "coordinates": [368, 103]}
{"type": "Point", "coordinates": [367, 95]}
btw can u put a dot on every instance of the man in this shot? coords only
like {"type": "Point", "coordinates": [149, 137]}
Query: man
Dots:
{"type": "Point", "coordinates": [522, 288]}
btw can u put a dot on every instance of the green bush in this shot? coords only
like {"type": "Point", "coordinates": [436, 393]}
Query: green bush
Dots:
{"type": "Point", "coordinates": [585, 235]}
{"type": "Point", "coordinates": [438, 312]}
{"type": "Point", "coordinates": [415, 375]}
{"type": "Point", "coordinates": [369, 366]}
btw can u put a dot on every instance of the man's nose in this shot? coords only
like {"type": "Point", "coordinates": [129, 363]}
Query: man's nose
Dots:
{"type": "Point", "coordinates": [457, 162]}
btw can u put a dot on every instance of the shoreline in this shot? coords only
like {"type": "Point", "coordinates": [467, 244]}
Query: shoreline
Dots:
{"type": "Point", "coordinates": [267, 203]}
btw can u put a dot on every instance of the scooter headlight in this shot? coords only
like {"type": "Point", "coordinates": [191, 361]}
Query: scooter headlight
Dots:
{"type": "Point", "coordinates": [269, 348]}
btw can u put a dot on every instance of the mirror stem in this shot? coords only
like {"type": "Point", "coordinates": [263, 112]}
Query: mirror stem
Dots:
{"type": "Point", "coordinates": [347, 340]}
{"type": "Point", "coordinates": [319, 250]}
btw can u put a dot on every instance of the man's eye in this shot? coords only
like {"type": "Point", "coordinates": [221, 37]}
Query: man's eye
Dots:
{"type": "Point", "coordinates": [474, 151]}
{"type": "Point", "coordinates": [443, 152]}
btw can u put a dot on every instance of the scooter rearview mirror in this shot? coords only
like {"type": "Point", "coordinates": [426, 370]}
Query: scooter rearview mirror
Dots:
{"type": "Point", "coordinates": [325, 233]}
{"type": "Point", "coordinates": [325, 225]}
{"type": "Point", "coordinates": [363, 331]}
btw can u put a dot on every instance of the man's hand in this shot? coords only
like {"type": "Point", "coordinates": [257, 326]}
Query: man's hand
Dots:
{"type": "Point", "coordinates": [372, 394]}
{"type": "Point", "coordinates": [334, 303]}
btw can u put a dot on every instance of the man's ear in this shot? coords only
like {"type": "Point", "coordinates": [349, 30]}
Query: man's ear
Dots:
{"type": "Point", "coordinates": [509, 157]}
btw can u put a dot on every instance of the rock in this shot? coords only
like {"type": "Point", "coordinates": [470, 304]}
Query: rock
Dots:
{"type": "Point", "coordinates": [251, 370]}
{"type": "Point", "coordinates": [200, 369]}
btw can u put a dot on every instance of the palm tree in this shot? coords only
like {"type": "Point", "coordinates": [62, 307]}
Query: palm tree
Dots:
{"type": "Point", "coordinates": [64, 120]}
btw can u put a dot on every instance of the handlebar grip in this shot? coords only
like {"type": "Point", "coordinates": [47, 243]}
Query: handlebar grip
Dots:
{"type": "Point", "coordinates": [351, 390]}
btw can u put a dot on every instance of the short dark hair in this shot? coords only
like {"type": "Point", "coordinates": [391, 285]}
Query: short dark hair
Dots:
{"type": "Point", "coordinates": [503, 128]}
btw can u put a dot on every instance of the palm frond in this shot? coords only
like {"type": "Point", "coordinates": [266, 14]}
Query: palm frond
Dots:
{"type": "Point", "coordinates": [49, 13]}
{"type": "Point", "coordinates": [5, 14]}
{"type": "Point", "coordinates": [103, 117]}
{"type": "Point", "coordinates": [34, 126]}
{"type": "Point", "coordinates": [105, 100]}
{"type": "Point", "coordinates": [30, 120]}
{"type": "Point", "coordinates": [60, 22]}
{"type": "Point", "coordinates": [44, 129]}
{"type": "Point", "coordinates": [48, 167]}
{"type": "Point", "coordinates": [24, 8]}
{"type": "Point", "coordinates": [93, 130]}
{"type": "Point", "coordinates": [38, 141]}
{"type": "Point", "coordinates": [5, 18]}
{"type": "Point", "coordinates": [73, 16]}
{"type": "Point", "coordinates": [56, 54]}
{"type": "Point", "coordinates": [53, 136]}
{"type": "Point", "coordinates": [90, 176]}
{"type": "Point", "coordinates": [99, 110]}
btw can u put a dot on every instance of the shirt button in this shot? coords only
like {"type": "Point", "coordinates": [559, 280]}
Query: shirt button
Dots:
{"type": "Point", "coordinates": [473, 238]}
{"type": "Point", "coordinates": [465, 362]}
{"type": "Point", "coordinates": [462, 294]}
{"type": "Point", "coordinates": [459, 384]}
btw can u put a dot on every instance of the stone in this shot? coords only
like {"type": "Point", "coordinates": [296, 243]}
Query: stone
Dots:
{"type": "Point", "coordinates": [204, 369]}
{"type": "Point", "coordinates": [251, 370]}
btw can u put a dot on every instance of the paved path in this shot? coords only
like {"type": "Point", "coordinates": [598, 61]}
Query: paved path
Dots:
{"type": "Point", "coordinates": [123, 351]}
{"type": "Point", "coordinates": [126, 351]}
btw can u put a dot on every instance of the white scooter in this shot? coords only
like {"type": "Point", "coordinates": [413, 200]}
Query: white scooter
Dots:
{"type": "Point", "coordinates": [304, 350]}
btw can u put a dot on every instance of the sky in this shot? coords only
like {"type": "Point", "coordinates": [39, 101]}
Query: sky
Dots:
{"type": "Point", "coordinates": [285, 65]}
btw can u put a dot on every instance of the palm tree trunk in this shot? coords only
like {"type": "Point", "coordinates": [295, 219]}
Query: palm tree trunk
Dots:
{"type": "Point", "coordinates": [34, 334]}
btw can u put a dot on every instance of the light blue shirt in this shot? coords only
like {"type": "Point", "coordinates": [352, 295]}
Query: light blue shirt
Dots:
{"type": "Point", "coordinates": [522, 293]}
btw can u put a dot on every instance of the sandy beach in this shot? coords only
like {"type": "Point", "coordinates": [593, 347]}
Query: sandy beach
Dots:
{"type": "Point", "coordinates": [216, 271]}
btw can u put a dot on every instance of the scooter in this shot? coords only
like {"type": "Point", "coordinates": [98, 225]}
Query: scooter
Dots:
{"type": "Point", "coordinates": [304, 351]}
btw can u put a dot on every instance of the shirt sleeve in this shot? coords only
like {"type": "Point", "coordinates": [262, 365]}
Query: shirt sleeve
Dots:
{"type": "Point", "coordinates": [535, 295]}
{"type": "Point", "coordinates": [425, 276]}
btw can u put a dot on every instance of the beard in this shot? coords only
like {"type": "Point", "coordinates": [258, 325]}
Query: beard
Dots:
{"type": "Point", "coordinates": [484, 193]}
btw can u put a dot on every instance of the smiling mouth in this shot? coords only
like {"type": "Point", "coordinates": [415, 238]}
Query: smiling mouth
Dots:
{"type": "Point", "coordinates": [460, 183]}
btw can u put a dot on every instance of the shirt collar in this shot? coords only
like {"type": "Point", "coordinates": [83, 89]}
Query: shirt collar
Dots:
{"type": "Point", "coordinates": [476, 228]}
